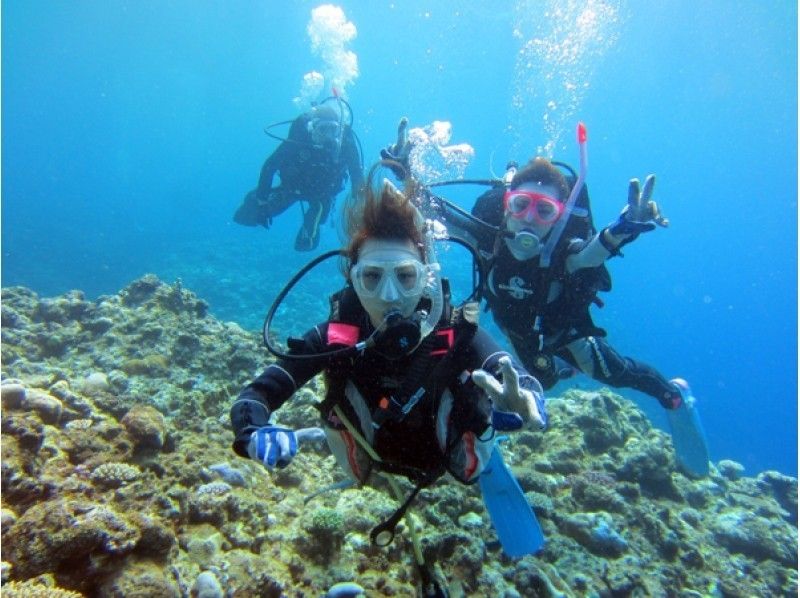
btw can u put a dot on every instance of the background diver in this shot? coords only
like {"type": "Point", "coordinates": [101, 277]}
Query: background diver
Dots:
{"type": "Point", "coordinates": [543, 265]}
{"type": "Point", "coordinates": [312, 164]}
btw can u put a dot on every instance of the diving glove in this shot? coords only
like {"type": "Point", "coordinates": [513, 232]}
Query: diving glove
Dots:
{"type": "Point", "coordinates": [642, 214]}
{"type": "Point", "coordinates": [276, 447]}
{"type": "Point", "coordinates": [399, 151]}
{"type": "Point", "coordinates": [509, 396]}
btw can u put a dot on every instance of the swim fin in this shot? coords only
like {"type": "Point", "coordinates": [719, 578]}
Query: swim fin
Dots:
{"type": "Point", "coordinates": [513, 518]}
{"type": "Point", "coordinates": [688, 437]}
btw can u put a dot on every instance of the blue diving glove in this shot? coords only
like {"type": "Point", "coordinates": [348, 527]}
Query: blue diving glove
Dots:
{"type": "Point", "coordinates": [275, 446]}
{"type": "Point", "coordinates": [399, 151]}
{"type": "Point", "coordinates": [642, 214]}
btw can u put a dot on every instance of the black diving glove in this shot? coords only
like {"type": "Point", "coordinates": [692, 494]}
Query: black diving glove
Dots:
{"type": "Point", "coordinates": [399, 151]}
{"type": "Point", "coordinates": [640, 215]}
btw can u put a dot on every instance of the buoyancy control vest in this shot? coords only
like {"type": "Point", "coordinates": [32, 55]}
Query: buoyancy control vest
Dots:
{"type": "Point", "coordinates": [402, 397]}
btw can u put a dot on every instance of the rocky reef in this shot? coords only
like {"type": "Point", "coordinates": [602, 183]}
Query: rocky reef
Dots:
{"type": "Point", "coordinates": [118, 480]}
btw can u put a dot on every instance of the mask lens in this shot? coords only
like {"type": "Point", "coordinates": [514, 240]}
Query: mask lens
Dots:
{"type": "Point", "coordinates": [518, 203]}
{"type": "Point", "coordinates": [370, 277]}
{"type": "Point", "coordinates": [546, 210]}
{"type": "Point", "coordinates": [407, 275]}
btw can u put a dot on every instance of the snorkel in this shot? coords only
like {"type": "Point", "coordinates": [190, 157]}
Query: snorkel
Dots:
{"type": "Point", "coordinates": [433, 290]}
{"type": "Point", "coordinates": [558, 229]}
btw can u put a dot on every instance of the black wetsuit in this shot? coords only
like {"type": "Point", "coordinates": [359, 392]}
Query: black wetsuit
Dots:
{"type": "Point", "coordinates": [307, 172]}
{"type": "Point", "coordinates": [450, 399]}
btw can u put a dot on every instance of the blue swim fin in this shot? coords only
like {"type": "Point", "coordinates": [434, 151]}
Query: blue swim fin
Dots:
{"type": "Point", "coordinates": [688, 437]}
{"type": "Point", "coordinates": [513, 518]}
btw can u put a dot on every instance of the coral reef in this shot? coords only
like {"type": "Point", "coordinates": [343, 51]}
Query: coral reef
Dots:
{"type": "Point", "coordinates": [114, 475]}
{"type": "Point", "coordinates": [118, 480]}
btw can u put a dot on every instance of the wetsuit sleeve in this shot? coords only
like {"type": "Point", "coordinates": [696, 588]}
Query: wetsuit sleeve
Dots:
{"type": "Point", "coordinates": [287, 151]}
{"type": "Point", "coordinates": [274, 386]}
{"type": "Point", "coordinates": [587, 254]}
{"type": "Point", "coordinates": [271, 165]}
{"type": "Point", "coordinates": [461, 224]}
{"type": "Point", "coordinates": [484, 353]}
{"type": "Point", "coordinates": [469, 227]}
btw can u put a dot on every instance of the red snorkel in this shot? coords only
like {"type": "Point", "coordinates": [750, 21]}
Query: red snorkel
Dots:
{"type": "Point", "coordinates": [558, 229]}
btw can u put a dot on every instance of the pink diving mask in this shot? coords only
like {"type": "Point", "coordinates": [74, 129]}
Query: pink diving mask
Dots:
{"type": "Point", "coordinates": [527, 205]}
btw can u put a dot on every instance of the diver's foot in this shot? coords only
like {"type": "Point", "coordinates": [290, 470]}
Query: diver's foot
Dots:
{"type": "Point", "coordinates": [308, 235]}
{"type": "Point", "coordinates": [306, 242]}
{"type": "Point", "coordinates": [253, 211]}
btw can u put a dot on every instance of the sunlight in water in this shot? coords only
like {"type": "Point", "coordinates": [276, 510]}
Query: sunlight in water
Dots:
{"type": "Point", "coordinates": [561, 44]}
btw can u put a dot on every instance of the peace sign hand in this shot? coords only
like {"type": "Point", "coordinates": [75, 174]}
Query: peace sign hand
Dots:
{"type": "Point", "coordinates": [642, 214]}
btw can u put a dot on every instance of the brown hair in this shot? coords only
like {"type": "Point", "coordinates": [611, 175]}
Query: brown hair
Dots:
{"type": "Point", "coordinates": [382, 212]}
{"type": "Point", "coordinates": [541, 171]}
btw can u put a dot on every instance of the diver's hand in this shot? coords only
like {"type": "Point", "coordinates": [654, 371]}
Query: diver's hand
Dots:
{"type": "Point", "coordinates": [642, 214]}
{"type": "Point", "coordinates": [510, 397]}
{"type": "Point", "coordinates": [275, 446]}
{"type": "Point", "coordinates": [400, 150]}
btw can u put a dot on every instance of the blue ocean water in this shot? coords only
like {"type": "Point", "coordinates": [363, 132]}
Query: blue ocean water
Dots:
{"type": "Point", "coordinates": [131, 131]}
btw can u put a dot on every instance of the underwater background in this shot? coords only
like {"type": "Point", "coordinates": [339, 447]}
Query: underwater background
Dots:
{"type": "Point", "coordinates": [132, 130]}
{"type": "Point", "coordinates": [132, 304]}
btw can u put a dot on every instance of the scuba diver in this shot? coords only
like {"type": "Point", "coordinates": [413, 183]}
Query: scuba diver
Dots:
{"type": "Point", "coordinates": [312, 163]}
{"type": "Point", "coordinates": [543, 264]}
{"type": "Point", "coordinates": [413, 386]}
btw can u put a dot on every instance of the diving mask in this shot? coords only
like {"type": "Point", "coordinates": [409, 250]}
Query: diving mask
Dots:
{"type": "Point", "coordinates": [325, 132]}
{"type": "Point", "coordinates": [532, 206]}
{"type": "Point", "coordinates": [389, 280]}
